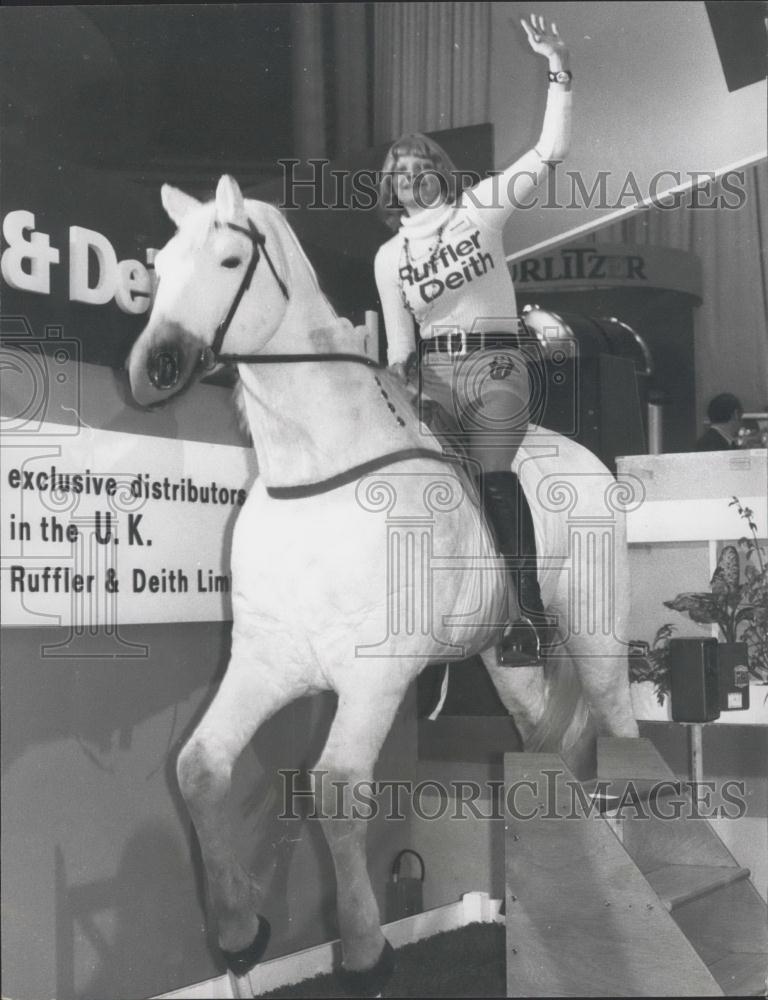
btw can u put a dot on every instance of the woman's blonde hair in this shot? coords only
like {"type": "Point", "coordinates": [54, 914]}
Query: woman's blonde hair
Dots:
{"type": "Point", "coordinates": [415, 144]}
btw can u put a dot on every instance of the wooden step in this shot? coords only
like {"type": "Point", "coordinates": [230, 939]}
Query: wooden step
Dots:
{"type": "Point", "coordinates": [654, 842]}
{"type": "Point", "coordinates": [742, 975]}
{"type": "Point", "coordinates": [710, 898]}
{"type": "Point", "coordinates": [629, 794]}
{"type": "Point", "coordinates": [581, 919]}
{"type": "Point", "coordinates": [621, 757]}
{"type": "Point", "coordinates": [679, 884]}
{"type": "Point", "coordinates": [733, 920]}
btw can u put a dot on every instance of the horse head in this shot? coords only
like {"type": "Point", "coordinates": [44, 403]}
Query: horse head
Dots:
{"type": "Point", "coordinates": [225, 283]}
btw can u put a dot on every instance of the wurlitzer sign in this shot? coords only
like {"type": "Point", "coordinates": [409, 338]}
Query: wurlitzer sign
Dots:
{"type": "Point", "coordinates": [608, 265]}
{"type": "Point", "coordinates": [96, 276]}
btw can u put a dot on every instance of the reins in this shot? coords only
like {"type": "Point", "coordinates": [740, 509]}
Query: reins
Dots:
{"type": "Point", "coordinates": [211, 356]}
{"type": "Point", "coordinates": [259, 241]}
{"type": "Point", "coordinates": [356, 472]}
{"type": "Point", "coordinates": [282, 359]}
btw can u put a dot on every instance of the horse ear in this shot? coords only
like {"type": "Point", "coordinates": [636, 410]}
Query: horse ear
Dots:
{"type": "Point", "coordinates": [176, 203]}
{"type": "Point", "coordinates": [230, 206]}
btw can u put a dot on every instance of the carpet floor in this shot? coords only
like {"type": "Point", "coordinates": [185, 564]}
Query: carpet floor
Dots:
{"type": "Point", "coordinates": [468, 962]}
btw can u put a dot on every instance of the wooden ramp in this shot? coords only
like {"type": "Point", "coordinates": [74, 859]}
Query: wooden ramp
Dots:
{"type": "Point", "coordinates": [639, 906]}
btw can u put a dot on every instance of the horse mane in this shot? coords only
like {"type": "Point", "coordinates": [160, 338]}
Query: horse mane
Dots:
{"type": "Point", "coordinates": [291, 250]}
{"type": "Point", "coordinates": [339, 338]}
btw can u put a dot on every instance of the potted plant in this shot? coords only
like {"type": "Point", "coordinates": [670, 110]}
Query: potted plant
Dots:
{"type": "Point", "coordinates": [737, 602]}
{"type": "Point", "coordinates": [651, 664]}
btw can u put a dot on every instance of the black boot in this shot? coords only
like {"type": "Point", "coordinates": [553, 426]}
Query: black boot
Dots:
{"type": "Point", "coordinates": [510, 518]}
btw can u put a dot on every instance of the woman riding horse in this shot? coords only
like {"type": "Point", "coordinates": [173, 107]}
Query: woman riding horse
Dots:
{"type": "Point", "coordinates": [358, 556]}
{"type": "Point", "coordinates": [445, 270]}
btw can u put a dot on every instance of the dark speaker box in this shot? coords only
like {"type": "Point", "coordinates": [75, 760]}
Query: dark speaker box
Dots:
{"type": "Point", "coordinates": [694, 680]}
{"type": "Point", "coordinates": [594, 401]}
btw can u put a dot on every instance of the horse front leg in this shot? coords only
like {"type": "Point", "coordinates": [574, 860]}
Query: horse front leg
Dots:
{"type": "Point", "coordinates": [248, 695]}
{"type": "Point", "coordinates": [367, 706]}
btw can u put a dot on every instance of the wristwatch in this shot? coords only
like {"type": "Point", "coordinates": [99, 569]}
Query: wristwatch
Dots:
{"type": "Point", "coordinates": [562, 76]}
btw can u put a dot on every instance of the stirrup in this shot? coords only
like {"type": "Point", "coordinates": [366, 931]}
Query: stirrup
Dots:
{"type": "Point", "coordinates": [520, 645]}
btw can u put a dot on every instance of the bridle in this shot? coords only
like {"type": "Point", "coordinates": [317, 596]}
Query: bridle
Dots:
{"type": "Point", "coordinates": [164, 367]}
{"type": "Point", "coordinates": [164, 373]}
{"type": "Point", "coordinates": [211, 355]}
{"type": "Point", "coordinates": [259, 243]}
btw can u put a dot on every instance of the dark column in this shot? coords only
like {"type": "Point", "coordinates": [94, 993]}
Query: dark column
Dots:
{"type": "Point", "coordinates": [308, 80]}
{"type": "Point", "coordinates": [350, 77]}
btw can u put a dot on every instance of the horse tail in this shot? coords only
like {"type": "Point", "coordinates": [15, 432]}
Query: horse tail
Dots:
{"type": "Point", "coordinates": [566, 717]}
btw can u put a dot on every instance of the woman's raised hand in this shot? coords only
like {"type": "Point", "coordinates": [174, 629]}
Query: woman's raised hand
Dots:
{"type": "Point", "coordinates": [544, 38]}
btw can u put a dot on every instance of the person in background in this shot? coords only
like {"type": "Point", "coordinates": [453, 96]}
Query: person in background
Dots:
{"type": "Point", "coordinates": [724, 414]}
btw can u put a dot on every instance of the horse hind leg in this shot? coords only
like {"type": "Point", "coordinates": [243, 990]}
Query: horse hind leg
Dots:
{"type": "Point", "coordinates": [366, 709]}
{"type": "Point", "coordinates": [589, 691]}
{"type": "Point", "coordinates": [522, 691]}
{"type": "Point", "coordinates": [548, 709]}
{"type": "Point", "coordinates": [601, 663]}
{"type": "Point", "coordinates": [598, 611]}
{"type": "Point", "coordinates": [248, 695]}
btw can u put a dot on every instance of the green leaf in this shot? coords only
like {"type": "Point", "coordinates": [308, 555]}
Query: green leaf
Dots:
{"type": "Point", "coordinates": [663, 635]}
{"type": "Point", "coordinates": [744, 615]}
{"type": "Point", "coordinates": [735, 596]}
{"type": "Point", "coordinates": [730, 565]}
{"type": "Point", "coordinates": [702, 608]}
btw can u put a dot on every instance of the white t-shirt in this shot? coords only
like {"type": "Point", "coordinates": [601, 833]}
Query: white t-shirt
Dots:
{"type": "Point", "coordinates": [445, 267]}
{"type": "Point", "coordinates": [448, 270]}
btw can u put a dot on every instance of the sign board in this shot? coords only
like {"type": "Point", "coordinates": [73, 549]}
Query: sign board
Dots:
{"type": "Point", "coordinates": [103, 528]}
{"type": "Point", "coordinates": [76, 251]}
{"type": "Point", "coordinates": [608, 265]}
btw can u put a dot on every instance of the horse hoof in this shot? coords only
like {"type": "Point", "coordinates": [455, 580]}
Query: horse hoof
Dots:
{"type": "Point", "coordinates": [369, 982]}
{"type": "Point", "coordinates": [241, 962]}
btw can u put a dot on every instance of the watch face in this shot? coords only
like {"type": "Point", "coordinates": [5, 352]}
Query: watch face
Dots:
{"type": "Point", "coordinates": [563, 76]}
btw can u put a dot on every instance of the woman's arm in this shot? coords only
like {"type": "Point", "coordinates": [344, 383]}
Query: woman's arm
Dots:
{"type": "Point", "coordinates": [398, 322]}
{"type": "Point", "coordinates": [555, 132]}
{"type": "Point", "coordinates": [497, 196]}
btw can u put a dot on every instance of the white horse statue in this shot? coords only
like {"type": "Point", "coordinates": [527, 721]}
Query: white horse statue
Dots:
{"type": "Point", "coordinates": [360, 554]}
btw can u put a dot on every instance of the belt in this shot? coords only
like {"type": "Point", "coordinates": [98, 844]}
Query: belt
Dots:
{"type": "Point", "coordinates": [459, 343]}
